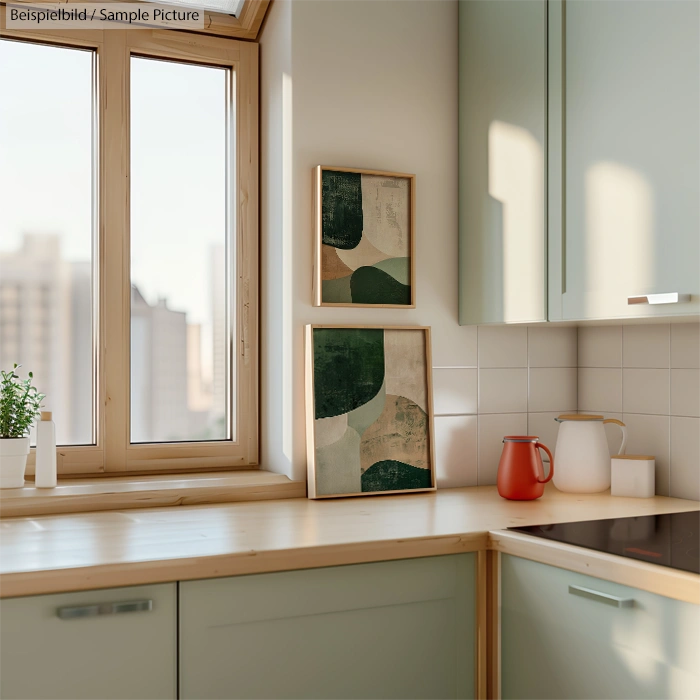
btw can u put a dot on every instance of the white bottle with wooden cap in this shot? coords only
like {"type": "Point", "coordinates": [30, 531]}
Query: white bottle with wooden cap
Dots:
{"type": "Point", "coordinates": [45, 452]}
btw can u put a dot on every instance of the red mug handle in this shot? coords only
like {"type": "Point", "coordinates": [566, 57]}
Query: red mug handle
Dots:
{"type": "Point", "coordinates": [551, 463]}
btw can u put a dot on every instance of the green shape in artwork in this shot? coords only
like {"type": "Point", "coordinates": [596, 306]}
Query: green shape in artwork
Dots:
{"type": "Point", "coordinates": [336, 291]}
{"type": "Point", "coordinates": [341, 210]}
{"type": "Point", "coordinates": [390, 475]}
{"type": "Point", "coordinates": [369, 285]}
{"type": "Point", "coordinates": [398, 268]}
{"type": "Point", "coordinates": [348, 368]}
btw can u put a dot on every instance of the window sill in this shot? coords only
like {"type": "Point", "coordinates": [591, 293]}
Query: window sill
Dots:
{"type": "Point", "coordinates": [120, 493]}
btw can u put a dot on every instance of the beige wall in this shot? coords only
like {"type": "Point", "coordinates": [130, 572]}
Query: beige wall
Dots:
{"type": "Point", "coordinates": [368, 84]}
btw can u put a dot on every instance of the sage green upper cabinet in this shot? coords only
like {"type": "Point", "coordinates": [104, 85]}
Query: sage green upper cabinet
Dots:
{"type": "Point", "coordinates": [624, 149]}
{"type": "Point", "coordinates": [502, 134]}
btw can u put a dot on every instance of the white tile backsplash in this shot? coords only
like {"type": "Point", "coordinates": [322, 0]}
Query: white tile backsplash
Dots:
{"type": "Point", "coordinates": [650, 435]}
{"type": "Point", "coordinates": [599, 389]}
{"type": "Point", "coordinates": [552, 389]}
{"type": "Point", "coordinates": [503, 390]}
{"type": "Point", "coordinates": [456, 451]}
{"type": "Point", "coordinates": [685, 345]}
{"type": "Point", "coordinates": [646, 391]}
{"type": "Point", "coordinates": [502, 346]}
{"type": "Point", "coordinates": [600, 346]}
{"type": "Point", "coordinates": [685, 392]}
{"type": "Point", "coordinates": [646, 346]}
{"type": "Point", "coordinates": [647, 375]}
{"type": "Point", "coordinates": [454, 391]}
{"type": "Point", "coordinates": [552, 347]}
{"type": "Point", "coordinates": [685, 457]}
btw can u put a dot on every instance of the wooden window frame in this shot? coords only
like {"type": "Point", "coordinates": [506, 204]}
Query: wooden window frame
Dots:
{"type": "Point", "coordinates": [113, 454]}
{"type": "Point", "coordinates": [246, 26]}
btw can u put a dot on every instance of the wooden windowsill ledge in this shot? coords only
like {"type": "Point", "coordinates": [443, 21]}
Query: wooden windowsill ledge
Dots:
{"type": "Point", "coordinates": [150, 491]}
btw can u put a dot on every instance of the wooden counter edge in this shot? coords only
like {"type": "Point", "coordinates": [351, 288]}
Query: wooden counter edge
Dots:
{"type": "Point", "coordinates": [662, 580]}
{"type": "Point", "coordinates": [65, 580]}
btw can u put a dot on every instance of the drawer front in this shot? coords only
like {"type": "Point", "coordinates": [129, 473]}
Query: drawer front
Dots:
{"type": "Point", "coordinates": [567, 635]}
{"type": "Point", "coordinates": [115, 643]}
{"type": "Point", "coordinates": [402, 629]}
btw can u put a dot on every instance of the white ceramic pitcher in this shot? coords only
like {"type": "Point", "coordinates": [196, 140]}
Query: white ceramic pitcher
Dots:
{"type": "Point", "coordinates": [582, 453]}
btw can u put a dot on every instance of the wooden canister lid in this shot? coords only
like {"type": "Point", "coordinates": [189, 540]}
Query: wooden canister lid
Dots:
{"type": "Point", "coordinates": [639, 457]}
{"type": "Point", "coordinates": [46, 415]}
{"type": "Point", "coordinates": [577, 416]}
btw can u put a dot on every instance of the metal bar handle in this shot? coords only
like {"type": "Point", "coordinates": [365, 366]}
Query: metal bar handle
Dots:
{"type": "Point", "coordinates": [605, 598]}
{"type": "Point", "coordinates": [667, 298]}
{"type": "Point", "coordinates": [73, 612]}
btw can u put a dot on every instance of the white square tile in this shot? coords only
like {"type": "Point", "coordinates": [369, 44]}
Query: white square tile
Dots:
{"type": "Point", "coordinates": [600, 346]}
{"type": "Point", "coordinates": [650, 435]}
{"type": "Point", "coordinates": [455, 451]}
{"type": "Point", "coordinates": [685, 392]}
{"type": "Point", "coordinates": [454, 391]}
{"type": "Point", "coordinates": [685, 458]}
{"type": "Point", "coordinates": [492, 430]}
{"type": "Point", "coordinates": [646, 391]}
{"type": "Point", "coordinates": [552, 389]}
{"type": "Point", "coordinates": [552, 347]}
{"type": "Point", "coordinates": [502, 346]}
{"type": "Point", "coordinates": [600, 390]}
{"type": "Point", "coordinates": [646, 346]}
{"type": "Point", "coordinates": [685, 345]}
{"type": "Point", "coordinates": [503, 391]}
{"type": "Point", "coordinates": [545, 428]}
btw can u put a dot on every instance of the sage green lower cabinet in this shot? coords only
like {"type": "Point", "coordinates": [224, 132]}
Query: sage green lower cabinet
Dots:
{"type": "Point", "coordinates": [564, 636]}
{"type": "Point", "coordinates": [114, 643]}
{"type": "Point", "coordinates": [400, 629]}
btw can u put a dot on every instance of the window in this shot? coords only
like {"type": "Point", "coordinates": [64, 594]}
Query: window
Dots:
{"type": "Point", "coordinates": [128, 243]}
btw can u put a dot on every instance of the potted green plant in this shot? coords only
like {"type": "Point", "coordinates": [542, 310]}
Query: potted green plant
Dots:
{"type": "Point", "coordinates": [19, 407]}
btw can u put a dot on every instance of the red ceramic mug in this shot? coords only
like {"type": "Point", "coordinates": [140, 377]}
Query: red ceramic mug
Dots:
{"type": "Point", "coordinates": [520, 471]}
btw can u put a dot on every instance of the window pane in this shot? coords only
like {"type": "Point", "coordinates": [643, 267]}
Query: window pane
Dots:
{"type": "Point", "coordinates": [46, 227]}
{"type": "Point", "coordinates": [179, 310]}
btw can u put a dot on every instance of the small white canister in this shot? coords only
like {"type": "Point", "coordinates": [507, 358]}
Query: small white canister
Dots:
{"type": "Point", "coordinates": [632, 476]}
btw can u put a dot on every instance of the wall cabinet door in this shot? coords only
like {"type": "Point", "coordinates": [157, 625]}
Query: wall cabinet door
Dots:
{"type": "Point", "coordinates": [402, 629]}
{"type": "Point", "coordinates": [563, 643]}
{"type": "Point", "coordinates": [502, 141]}
{"type": "Point", "coordinates": [625, 80]}
{"type": "Point", "coordinates": [82, 645]}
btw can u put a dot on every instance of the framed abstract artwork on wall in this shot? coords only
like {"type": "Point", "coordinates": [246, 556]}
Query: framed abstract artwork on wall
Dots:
{"type": "Point", "coordinates": [369, 414]}
{"type": "Point", "coordinates": [364, 238]}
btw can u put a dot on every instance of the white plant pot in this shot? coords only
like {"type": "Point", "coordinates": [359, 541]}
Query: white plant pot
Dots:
{"type": "Point", "coordinates": [13, 462]}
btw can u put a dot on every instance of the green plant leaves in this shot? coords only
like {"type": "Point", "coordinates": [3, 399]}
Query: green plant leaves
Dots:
{"type": "Point", "coordinates": [20, 402]}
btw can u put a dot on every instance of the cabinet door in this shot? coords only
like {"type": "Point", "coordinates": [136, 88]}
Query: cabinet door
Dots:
{"type": "Point", "coordinates": [559, 644]}
{"type": "Point", "coordinates": [631, 148]}
{"type": "Point", "coordinates": [502, 138]}
{"type": "Point", "coordinates": [48, 650]}
{"type": "Point", "coordinates": [402, 629]}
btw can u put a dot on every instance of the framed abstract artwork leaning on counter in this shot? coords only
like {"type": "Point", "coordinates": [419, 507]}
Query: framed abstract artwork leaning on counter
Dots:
{"type": "Point", "coordinates": [369, 414]}
{"type": "Point", "coordinates": [364, 238]}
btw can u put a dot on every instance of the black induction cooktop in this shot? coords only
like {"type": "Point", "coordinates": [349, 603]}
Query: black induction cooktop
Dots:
{"type": "Point", "coordinates": [670, 540]}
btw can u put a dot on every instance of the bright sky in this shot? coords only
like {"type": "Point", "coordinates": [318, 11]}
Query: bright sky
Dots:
{"type": "Point", "coordinates": [178, 165]}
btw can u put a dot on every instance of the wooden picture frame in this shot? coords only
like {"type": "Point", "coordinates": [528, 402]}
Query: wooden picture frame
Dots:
{"type": "Point", "coordinates": [388, 278]}
{"type": "Point", "coordinates": [383, 388]}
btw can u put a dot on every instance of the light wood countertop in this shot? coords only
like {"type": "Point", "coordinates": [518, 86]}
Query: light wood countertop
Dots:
{"type": "Point", "coordinates": [57, 553]}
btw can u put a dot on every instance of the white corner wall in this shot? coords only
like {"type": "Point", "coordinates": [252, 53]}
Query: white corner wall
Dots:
{"type": "Point", "coordinates": [362, 84]}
